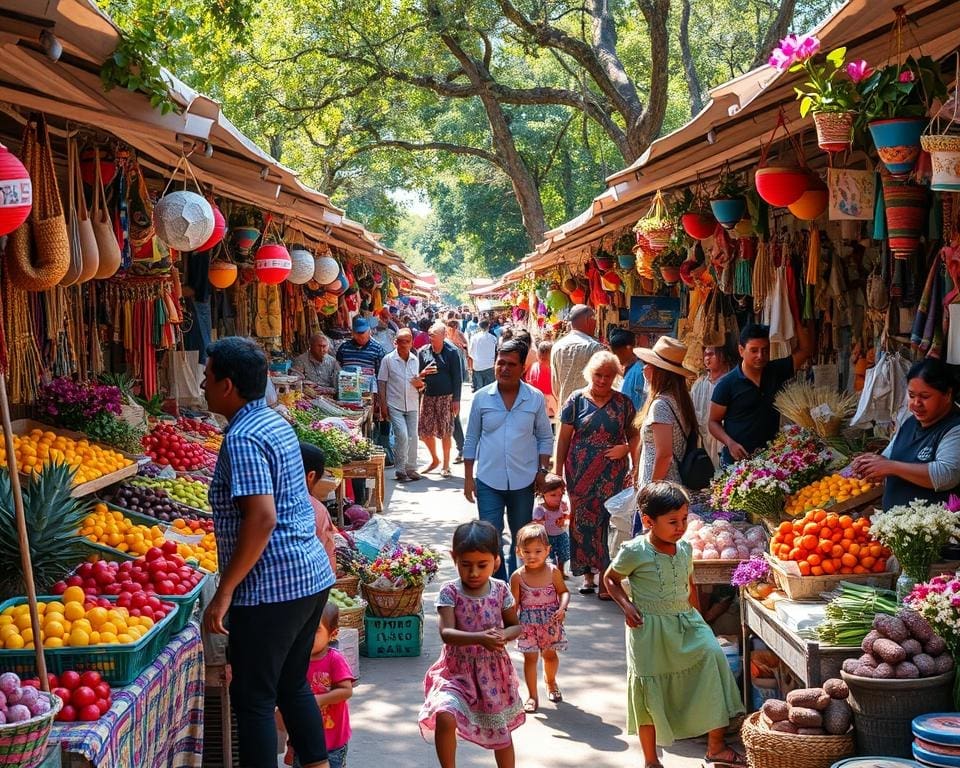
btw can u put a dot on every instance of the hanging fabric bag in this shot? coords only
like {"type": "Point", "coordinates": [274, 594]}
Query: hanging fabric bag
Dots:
{"type": "Point", "coordinates": [107, 245]}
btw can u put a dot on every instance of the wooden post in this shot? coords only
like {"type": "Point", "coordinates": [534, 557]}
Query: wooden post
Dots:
{"type": "Point", "coordinates": [22, 535]}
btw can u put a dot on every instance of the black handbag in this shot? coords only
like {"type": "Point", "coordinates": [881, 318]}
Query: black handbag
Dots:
{"type": "Point", "coordinates": [696, 467]}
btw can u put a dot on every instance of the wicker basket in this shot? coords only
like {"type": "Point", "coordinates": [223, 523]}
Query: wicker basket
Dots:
{"type": "Point", "coordinates": [24, 744]}
{"type": "Point", "coordinates": [943, 142]}
{"type": "Point", "coordinates": [811, 587]}
{"type": "Point", "coordinates": [353, 617]}
{"type": "Point", "coordinates": [388, 603]}
{"type": "Point", "coordinates": [771, 749]}
{"type": "Point", "coordinates": [349, 585]}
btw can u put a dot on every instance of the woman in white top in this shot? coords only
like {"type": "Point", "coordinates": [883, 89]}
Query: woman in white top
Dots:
{"type": "Point", "coordinates": [717, 361]}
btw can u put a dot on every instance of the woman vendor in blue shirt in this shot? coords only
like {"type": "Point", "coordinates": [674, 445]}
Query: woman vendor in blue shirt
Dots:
{"type": "Point", "coordinates": [922, 461]}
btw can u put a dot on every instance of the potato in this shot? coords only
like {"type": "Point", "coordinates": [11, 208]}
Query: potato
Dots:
{"type": "Point", "coordinates": [865, 671]}
{"type": "Point", "coordinates": [891, 628]}
{"type": "Point", "coordinates": [837, 717]}
{"type": "Point", "coordinates": [944, 663]}
{"type": "Point", "coordinates": [885, 671]}
{"type": "Point", "coordinates": [805, 717]}
{"type": "Point", "coordinates": [867, 645]}
{"type": "Point", "coordinates": [906, 670]}
{"type": "Point", "coordinates": [784, 726]}
{"type": "Point", "coordinates": [814, 698]}
{"type": "Point", "coordinates": [868, 660]}
{"type": "Point", "coordinates": [916, 625]}
{"type": "Point", "coordinates": [835, 688]}
{"type": "Point", "coordinates": [811, 732]}
{"type": "Point", "coordinates": [934, 646]}
{"type": "Point", "coordinates": [912, 647]}
{"type": "Point", "coordinates": [775, 709]}
{"type": "Point", "coordinates": [889, 651]}
{"type": "Point", "coordinates": [850, 666]}
{"type": "Point", "coordinates": [925, 663]}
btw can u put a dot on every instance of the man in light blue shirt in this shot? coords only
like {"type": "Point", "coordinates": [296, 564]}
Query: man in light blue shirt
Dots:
{"type": "Point", "coordinates": [510, 441]}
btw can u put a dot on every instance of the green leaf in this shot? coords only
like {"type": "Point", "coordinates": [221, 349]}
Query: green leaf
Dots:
{"type": "Point", "coordinates": [805, 105]}
{"type": "Point", "coordinates": [836, 56]}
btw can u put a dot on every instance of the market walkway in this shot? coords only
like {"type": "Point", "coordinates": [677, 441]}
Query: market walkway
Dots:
{"type": "Point", "coordinates": [587, 729]}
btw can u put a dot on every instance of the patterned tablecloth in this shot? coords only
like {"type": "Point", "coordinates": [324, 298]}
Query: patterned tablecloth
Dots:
{"type": "Point", "coordinates": [156, 722]}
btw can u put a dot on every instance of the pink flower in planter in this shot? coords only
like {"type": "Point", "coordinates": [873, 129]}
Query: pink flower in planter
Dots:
{"type": "Point", "coordinates": [785, 54]}
{"type": "Point", "coordinates": [807, 46]}
{"type": "Point", "coordinates": [907, 76]}
{"type": "Point", "coordinates": [858, 70]}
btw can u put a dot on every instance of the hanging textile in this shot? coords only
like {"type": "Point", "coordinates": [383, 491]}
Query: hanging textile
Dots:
{"type": "Point", "coordinates": [926, 336]}
{"type": "Point", "coordinates": [23, 357]}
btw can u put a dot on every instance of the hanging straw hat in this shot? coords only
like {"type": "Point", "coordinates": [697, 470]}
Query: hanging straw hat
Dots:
{"type": "Point", "coordinates": [668, 353]}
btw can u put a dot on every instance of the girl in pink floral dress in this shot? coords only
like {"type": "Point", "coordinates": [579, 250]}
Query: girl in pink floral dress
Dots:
{"type": "Point", "coordinates": [472, 690]}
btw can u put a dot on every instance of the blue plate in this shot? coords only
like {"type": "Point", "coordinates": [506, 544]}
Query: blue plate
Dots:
{"type": "Point", "coordinates": [876, 762]}
{"type": "Point", "coordinates": [926, 757]}
{"type": "Point", "coordinates": [939, 728]}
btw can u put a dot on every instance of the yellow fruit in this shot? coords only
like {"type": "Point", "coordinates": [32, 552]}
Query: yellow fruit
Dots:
{"type": "Point", "coordinates": [74, 611]}
{"type": "Point", "coordinates": [23, 621]}
{"type": "Point", "coordinates": [53, 642]}
{"type": "Point", "coordinates": [79, 638]}
{"type": "Point", "coordinates": [124, 638]}
{"type": "Point", "coordinates": [54, 606]}
{"type": "Point", "coordinates": [108, 637]}
{"type": "Point", "coordinates": [13, 643]}
{"type": "Point", "coordinates": [97, 616]}
{"type": "Point", "coordinates": [94, 638]}
{"type": "Point", "coordinates": [74, 595]}
{"type": "Point", "coordinates": [53, 629]}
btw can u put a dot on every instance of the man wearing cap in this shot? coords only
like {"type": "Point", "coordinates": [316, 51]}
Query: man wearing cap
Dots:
{"type": "Point", "coordinates": [742, 415]}
{"type": "Point", "coordinates": [633, 385]}
{"type": "Point", "coordinates": [317, 365]}
{"type": "Point", "coordinates": [570, 355]}
{"type": "Point", "coordinates": [362, 352]}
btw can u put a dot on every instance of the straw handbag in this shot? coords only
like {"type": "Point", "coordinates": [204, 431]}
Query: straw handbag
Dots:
{"type": "Point", "coordinates": [85, 256]}
{"type": "Point", "coordinates": [107, 245]}
{"type": "Point", "coordinates": [45, 264]}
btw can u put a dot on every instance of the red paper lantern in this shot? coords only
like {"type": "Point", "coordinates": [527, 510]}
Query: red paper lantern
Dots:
{"type": "Point", "coordinates": [273, 263]}
{"type": "Point", "coordinates": [16, 192]}
{"type": "Point", "coordinates": [108, 168]}
{"type": "Point", "coordinates": [219, 229]}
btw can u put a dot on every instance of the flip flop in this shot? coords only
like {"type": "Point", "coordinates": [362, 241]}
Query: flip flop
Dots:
{"type": "Point", "coordinates": [530, 706]}
{"type": "Point", "coordinates": [587, 590]}
{"type": "Point", "coordinates": [736, 761]}
{"type": "Point", "coordinates": [555, 695]}
{"type": "Point", "coordinates": [445, 473]}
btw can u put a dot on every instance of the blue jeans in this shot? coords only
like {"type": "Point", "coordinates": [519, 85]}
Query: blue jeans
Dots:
{"type": "Point", "coordinates": [482, 378]}
{"type": "Point", "coordinates": [337, 758]}
{"type": "Point", "coordinates": [404, 425]}
{"type": "Point", "coordinates": [518, 504]}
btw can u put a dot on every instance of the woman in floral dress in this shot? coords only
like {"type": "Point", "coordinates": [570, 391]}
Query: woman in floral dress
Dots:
{"type": "Point", "coordinates": [596, 447]}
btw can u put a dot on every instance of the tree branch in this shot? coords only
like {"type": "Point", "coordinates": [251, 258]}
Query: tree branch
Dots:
{"type": "Point", "coordinates": [779, 26]}
{"type": "Point", "coordinates": [433, 146]}
{"type": "Point", "coordinates": [689, 65]}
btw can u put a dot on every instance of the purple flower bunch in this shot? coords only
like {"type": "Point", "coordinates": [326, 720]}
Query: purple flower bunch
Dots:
{"type": "Point", "coordinates": [750, 571]}
{"type": "Point", "coordinates": [406, 565]}
{"type": "Point", "coordinates": [72, 404]}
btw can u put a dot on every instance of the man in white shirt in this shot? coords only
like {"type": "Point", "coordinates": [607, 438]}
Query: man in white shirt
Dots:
{"type": "Point", "coordinates": [572, 352]}
{"type": "Point", "coordinates": [399, 385]}
{"type": "Point", "coordinates": [482, 351]}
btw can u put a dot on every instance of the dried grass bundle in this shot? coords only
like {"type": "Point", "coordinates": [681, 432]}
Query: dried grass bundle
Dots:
{"type": "Point", "coordinates": [820, 409]}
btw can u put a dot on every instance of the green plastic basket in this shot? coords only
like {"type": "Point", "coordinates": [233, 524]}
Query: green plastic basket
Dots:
{"type": "Point", "coordinates": [107, 552]}
{"type": "Point", "coordinates": [119, 664]}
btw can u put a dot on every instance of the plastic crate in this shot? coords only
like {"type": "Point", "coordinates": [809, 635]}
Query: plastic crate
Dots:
{"type": "Point", "coordinates": [119, 664]}
{"type": "Point", "coordinates": [393, 637]}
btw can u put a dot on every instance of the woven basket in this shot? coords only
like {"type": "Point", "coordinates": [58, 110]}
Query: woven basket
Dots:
{"type": "Point", "coordinates": [834, 130]}
{"type": "Point", "coordinates": [940, 143]}
{"type": "Point", "coordinates": [388, 603]}
{"type": "Point", "coordinates": [349, 585]}
{"type": "Point", "coordinates": [353, 618]}
{"type": "Point", "coordinates": [771, 749]}
{"type": "Point", "coordinates": [23, 744]}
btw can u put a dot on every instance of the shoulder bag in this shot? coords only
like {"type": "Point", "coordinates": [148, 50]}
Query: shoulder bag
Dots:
{"type": "Point", "coordinates": [696, 468]}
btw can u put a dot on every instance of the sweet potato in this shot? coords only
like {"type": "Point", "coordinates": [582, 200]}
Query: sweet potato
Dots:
{"type": "Point", "coordinates": [891, 628]}
{"type": "Point", "coordinates": [850, 666]}
{"type": "Point", "coordinates": [868, 660]}
{"type": "Point", "coordinates": [934, 646]}
{"type": "Point", "coordinates": [865, 671]}
{"type": "Point", "coordinates": [867, 645]}
{"type": "Point", "coordinates": [775, 709]}
{"type": "Point", "coordinates": [912, 647]}
{"type": "Point", "coordinates": [916, 625]}
{"type": "Point", "coordinates": [814, 698]}
{"type": "Point", "coordinates": [805, 717]}
{"type": "Point", "coordinates": [925, 663]}
{"type": "Point", "coordinates": [889, 651]}
{"type": "Point", "coordinates": [811, 732]}
{"type": "Point", "coordinates": [784, 726]}
{"type": "Point", "coordinates": [906, 670]}
{"type": "Point", "coordinates": [944, 663]}
{"type": "Point", "coordinates": [835, 688]}
{"type": "Point", "coordinates": [885, 671]}
{"type": "Point", "coordinates": [837, 717]}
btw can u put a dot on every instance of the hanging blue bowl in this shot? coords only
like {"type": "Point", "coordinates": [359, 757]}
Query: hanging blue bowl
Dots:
{"type": "Point", "coordinates": [626, 260]}
{"type": "Point", "coordinates": [898, 142]}
{"type": "Point", "coordinates": [728, 211]}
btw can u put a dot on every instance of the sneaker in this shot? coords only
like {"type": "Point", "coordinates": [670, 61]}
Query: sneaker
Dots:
{"type": "Point", "coordinates": [414, 475]}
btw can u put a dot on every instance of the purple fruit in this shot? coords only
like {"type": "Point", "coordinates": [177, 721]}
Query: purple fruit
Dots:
{"type": "Point", "coordinates": [3, 717]}
{"type": "Point", "coordinates": [3, 701]}
{"type": "Point", "coordinates": [28, 697]}
{"type": "Point", "coordinates": [18, 713]}
{"type": "Point", "coordinates": [41, 706]}
{"type": "Point", "coordinates": [9, 682]}
{"type": "Point", "coordinates": [13, 697]}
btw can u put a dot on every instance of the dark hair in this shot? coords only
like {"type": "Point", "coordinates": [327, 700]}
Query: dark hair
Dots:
{"type": "Point", "coordinates": [551, 482]}
{"type": "Point", "coordinates": [723, 351]}
{"type": "Point", "coordinates": [243, 362]}
{"type": "Point", "coordinates": [660, 498]}
{"type": "Point", "coordinates": [476, 536]}
{"type": "Point", "coordinates": [664, 382]}
{"type": "Point", "coordinates": [313, 459]}
{"type": "Point", "coordinates": [484, 325]}
{"type": "Point", "coordinates": [620, 337]}
{"type": "Point", "coordinates": [513, 346]}
{"type": "Point", "coordinates": [424, 324]}
{"type": "Point", "coordinates": [754, 331]}
{"type": "Point", "coordinates": [330, 618]}
{"type": "Point", "coordinates": [934, 373]}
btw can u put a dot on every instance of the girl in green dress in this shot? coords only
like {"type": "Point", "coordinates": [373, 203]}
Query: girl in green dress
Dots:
{"type": "Point", "coordinates": [679, 684]}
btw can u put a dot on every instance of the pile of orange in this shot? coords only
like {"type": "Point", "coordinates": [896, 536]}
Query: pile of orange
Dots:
{"type": "Point", "coordinates": [109, 527]}
{"type": "Point", "coordinates": [38, 448]}
{"type": "Point", "coordinates": [69, 623]}
{"type": "Point", "coordinates": [822, 494]}
{"type": "Point", "coordinates": [203, 553]}
{"type": "Point", "coordinates": [825, 543]}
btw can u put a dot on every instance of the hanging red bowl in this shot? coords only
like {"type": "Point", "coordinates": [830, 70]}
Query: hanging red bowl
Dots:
{"type": "Point", "coordinates": [698, 225]}
{"type": "Point", "coordinates": [219, 229]}
{"type": "Point", "coordinates": [781, 185]}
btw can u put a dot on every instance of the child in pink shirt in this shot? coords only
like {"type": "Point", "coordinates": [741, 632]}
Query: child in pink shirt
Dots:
{"type": "Point", "coordinates": [313, 467]}
{"type": "Point", "coordinates": [538, 376]}
{"type": "Point", "coordinates": [554, 515]}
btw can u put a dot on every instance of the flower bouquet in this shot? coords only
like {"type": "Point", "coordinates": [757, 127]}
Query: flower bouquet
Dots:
{"type": "Point", "coordinates": [915, 532]}
{"type": "Point", "coordinates": [753, 575]}
{"type": "Point", "coordinates": [938, 601]}
{"type": "Point", "coordinates": [393, 583]}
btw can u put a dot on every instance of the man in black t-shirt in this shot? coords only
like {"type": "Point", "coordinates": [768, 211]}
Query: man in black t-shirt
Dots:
{"type": "Point", "coordinates": [742, 416]}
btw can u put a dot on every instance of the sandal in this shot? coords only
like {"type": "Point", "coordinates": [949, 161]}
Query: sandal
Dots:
{"type": "Point", "coordinates": [735, 760]}
{"type": "Point", "coordinates": [445, 473]}
{"type": "Point", "coordinates": [530, 706]}
{"type": "Point", "coordinates": [555, 696]}
{"type": "Point", "coordinates": [587, 589]}
{"type": "Point", "coordinates": [431, 468]}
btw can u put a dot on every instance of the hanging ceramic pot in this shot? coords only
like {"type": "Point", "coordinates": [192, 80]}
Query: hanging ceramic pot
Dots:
{"type": "Point", "coordinates": [222, 274]}
{"type": "Point", "coordinates": [781, 185]}
{"type": "Point", "coordinates": [728, 211]}
{"type": "Point", "coordinates": [813, 202]}
{"type": "Point", "coordinates": [898, 142]}
{"type": "Point", "coordinates": [905, 205]}
{"type": "Point", "coordinates": [698, 224]}
{"type": "Point", "coordinates": [834, 130]}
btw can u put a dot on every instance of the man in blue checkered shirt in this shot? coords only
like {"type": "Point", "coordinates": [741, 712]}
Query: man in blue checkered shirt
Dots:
{"type": "Point", "coordinates": [274, 573]}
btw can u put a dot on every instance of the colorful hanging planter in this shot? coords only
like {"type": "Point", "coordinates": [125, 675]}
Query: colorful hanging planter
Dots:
{"type": "Point", "coordinates": [578, 295]}
{"type": "Point", "coordinates": [670, 274]}
{"type": "Point", "coordinates": [219, 229]}
{"type": "Point", "coordinates": [626, 260]}
{"type": "Point", "coordinates": [944, 149]}
{"type": "Point", "coordinates": [656, 226]}
{"type": "Point", "coordinates": [183, 219]}
{"type": "Point", "coordinates": [699, 224]}
{"type": "Point", "coordinates": [834, 130]}
{"type": "Point", "coordinates": [222, 274]}
{"type": "Point", "coordinates": [245, 237]}
{"type": "Point", "coordinates": [813, 202]}
{"type": "Point", "coordinates": [898, 142]}
{"type": "Point", "coordinates": [728, 211]}
{"type": "Point", "coordinates": [783, 183]}
{"type": "Point", "coordinates": [557, 300]}
{"type": "Point", "coordinates": [905, 205]}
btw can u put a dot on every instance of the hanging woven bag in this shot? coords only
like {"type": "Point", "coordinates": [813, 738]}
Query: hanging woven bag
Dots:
{"type": "Point", "coordinates": [45, 264]}
{"type": "Point", "coordinates": [76, 258]}
{"type": "Point", "coordinates": [107, 245]}
{"type": "Point", "coordinates": [86, 256]}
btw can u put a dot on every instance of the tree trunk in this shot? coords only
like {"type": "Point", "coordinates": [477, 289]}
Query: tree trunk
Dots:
{"type": "Point", "coordinates": [779, 27]}
{"type": "Point", "coordinates": [689, 65]}
{"type": "Point", "coordinates": [643, 131]}
{"type": "Point", "coordinates": [276, 146]}
{"type": "Point", "coordinates": [566, 180]}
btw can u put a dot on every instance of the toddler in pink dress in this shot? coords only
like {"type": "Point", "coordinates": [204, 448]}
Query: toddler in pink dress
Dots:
{"type": "Point", "coordinates": [472, 689]}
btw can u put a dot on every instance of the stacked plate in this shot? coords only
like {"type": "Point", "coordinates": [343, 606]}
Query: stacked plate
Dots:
{"type": "Point", "coordinates": [936, 739]}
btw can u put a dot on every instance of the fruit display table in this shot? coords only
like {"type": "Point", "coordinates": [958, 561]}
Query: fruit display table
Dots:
{"type": "Point", "coordinates": [807, 659]}
{"type": "Point", "coordinates": [155, 722]}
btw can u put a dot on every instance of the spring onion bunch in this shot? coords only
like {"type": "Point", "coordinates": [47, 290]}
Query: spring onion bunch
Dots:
{"type": "Point", "coordinates": [850, 614]}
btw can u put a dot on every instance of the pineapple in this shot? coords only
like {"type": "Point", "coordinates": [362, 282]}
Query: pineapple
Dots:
{"type": "Point", "coordinates": [53, 518]}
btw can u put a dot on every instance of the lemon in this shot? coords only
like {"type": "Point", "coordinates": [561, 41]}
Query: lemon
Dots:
{"type": "Point", "coordinates": [74, 595]}
{"type": "Point", "coordinates": [13, 642]}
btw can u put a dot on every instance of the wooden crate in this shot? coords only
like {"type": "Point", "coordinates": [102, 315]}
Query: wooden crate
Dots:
{"type": "Point", "coordinates": [811, 587]}
{"type": "Point", "coordinates": [714, 571]}
{"type": "Point", "coordinates": [23, 426]}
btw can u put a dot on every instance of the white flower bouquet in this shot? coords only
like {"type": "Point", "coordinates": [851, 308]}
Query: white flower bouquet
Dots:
{"type": "Point", "coordinates": [916, 532]}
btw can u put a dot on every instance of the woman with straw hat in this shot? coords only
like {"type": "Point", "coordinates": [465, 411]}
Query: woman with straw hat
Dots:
{"type": "Point", "coordinates": [668, 416]}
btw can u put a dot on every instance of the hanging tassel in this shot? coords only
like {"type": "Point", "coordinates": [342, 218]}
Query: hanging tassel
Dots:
{"type": "Point", "coordinates": [743, 278]}
{"type": "Point", "coordinates": [813, 256]}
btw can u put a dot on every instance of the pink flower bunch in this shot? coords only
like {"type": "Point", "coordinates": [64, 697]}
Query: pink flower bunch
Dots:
{"type": "Point", "coordinates": [938, 601]}
{"type": "Point", "coordinates": [72, 404]}
{"type": "Point", "coordinates": [858, 70]}
{"type": "Point", "coordinates": [793, 49]}
{"type": "Point", "coordinates": [405, 566]}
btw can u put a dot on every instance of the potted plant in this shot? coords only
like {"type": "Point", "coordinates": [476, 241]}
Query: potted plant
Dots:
{"type": "Point", "coordinates": [657, 226]}
{"type": "Point", "coordinates": [829, 94]}
{"type": "Point", "coordinates": [623, 249]}
{"type": "Point", "coordinates": [696, 218]}
{"type": "Point", "coordinates": [393, 582]}
{"type": "Point", "coordinates": [669, 261]}
{"type": "Point", "coordinates": [894, 101]}
{"type": "Point", "coordinates": [728, 203]}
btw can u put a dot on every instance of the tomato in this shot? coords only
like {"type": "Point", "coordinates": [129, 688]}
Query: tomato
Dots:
{"type": "Point", "coordinates": [153, 553]}
{"type": "Point", "coordinates": [90, 712]}
{"type": "Point", "coordinates": [169, 547]}
{"type": "Point", "coordinates": [104, 705]}
{"type": "Point", "coordinates": [83, 697]}
{"type": "Point", "coordinates": [63, 694]}
{"type": "Point", "coordinates": [70, 679]}
{"type": "Point", "coordinates": [166, 587]}
{"type": "Point", "coordinates": [68, 714]}
{"type": "Point", "coordinates": [91, 678]}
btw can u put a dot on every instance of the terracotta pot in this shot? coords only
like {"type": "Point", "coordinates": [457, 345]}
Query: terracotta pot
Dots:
{"type": "Point", "coordinates": [834, 130]}
{"type": "Point", "coordinates": [670, 275]}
